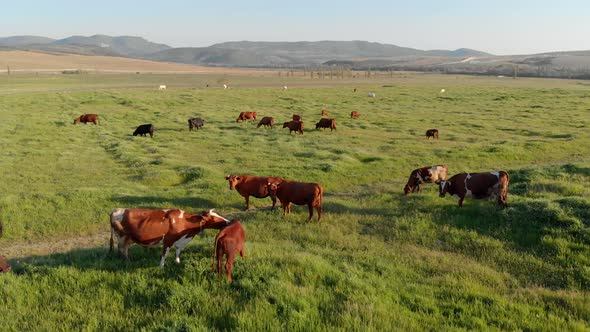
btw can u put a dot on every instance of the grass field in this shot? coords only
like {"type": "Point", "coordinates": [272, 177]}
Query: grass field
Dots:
{"type": "Point", "coordinates": [378, 261]}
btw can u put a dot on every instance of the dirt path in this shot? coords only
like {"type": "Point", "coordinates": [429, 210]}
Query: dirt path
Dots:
{"type": "Point", "coordinates": [63, 245]}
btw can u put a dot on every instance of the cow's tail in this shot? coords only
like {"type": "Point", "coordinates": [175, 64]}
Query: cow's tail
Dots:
{"type": "Point", "coordinates": [317, 200]}
{"type": "Point", "coordinates": [1, 228]}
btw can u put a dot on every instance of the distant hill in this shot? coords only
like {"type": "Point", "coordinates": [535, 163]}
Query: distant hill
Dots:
{"type": "Point", "coordinates": [24, 40]}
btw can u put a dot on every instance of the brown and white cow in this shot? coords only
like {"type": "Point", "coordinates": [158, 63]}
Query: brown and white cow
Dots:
{"type": "Point", "coordinates": [299, 193]}
{"type": "Point", "coordinates": [429, 174]}
{"type": "Point", "coordinates": [152, 227]}
{"type": "Point", "coordinates": [84, 118]}
{"type": "Point", "coordinates": [266, 121]}
{"type": "Point", "coordinates": [326, 123]}
{"type": "Point", "coordinates": [354, 115]}
{"type": "Point", "coordinates": [296, 126]}
{"type": "Point", "coordinates": [245, 116]}
{"type": "Point", "coordinates": [477, 185]}
{"type": "Point", "coordinates": [250, 185]}
{"type": "Point", "coordinates": [228, 242]}
{"type": "Point", "coordinates": [432, 133]}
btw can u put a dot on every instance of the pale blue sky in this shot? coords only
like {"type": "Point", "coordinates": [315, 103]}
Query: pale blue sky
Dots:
{"type": "Point", "coordinates": [499, 27]}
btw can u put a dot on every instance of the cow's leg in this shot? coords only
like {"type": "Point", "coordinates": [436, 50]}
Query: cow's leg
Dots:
{"type": "Point", "coordinates": [247, 202]}
{"type": "Point", "coordinates": [310, 206]}
{"type": "Point", "coordinates": [229, 264]}
{"type": "Point", "coordinates": [319, 208]}
{"type": "Point", "coordinates": [284, 208]}
{"type": "Point", "coordinates": [219, 255]}
{"type": "Point", "coordinates": [460, 201]}
{"type": "Point", "coordinates": [274, 202]}
{"type": "Point", "coordinates": [165, 250]}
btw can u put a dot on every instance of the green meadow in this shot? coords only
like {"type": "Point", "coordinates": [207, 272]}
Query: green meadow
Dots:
{"type": "Point", "coordinates": [379, 260]}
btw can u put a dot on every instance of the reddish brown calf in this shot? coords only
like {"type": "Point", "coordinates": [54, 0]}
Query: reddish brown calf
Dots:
{"type": "Point", "coordinates": [432, 133]}
{"type": "Point", "coordinates": [245, 116]}
{"type": "Point", "coordinates": [84, 118]}
{"type": "Point", "coordinates": [354, 115]}
{"type": "Point", "coordinates": [324, 112]}
{"type": "Point", "coordinates": [266, 121]}
{"type": "Point", "coordinates": [326, 123]}
{"type": "Point", "coordinates": [4, 266]}
{"type": "Point", "coordinates": [250, 185]}
{"type": "Point", "coordinates": [296, 126]}
{"type": "Point", "coordinates": [296, 117]}
{"type": "Point", "coordinates": [229, 241]}
{"type": "Point", "coordinates": [299, 193]}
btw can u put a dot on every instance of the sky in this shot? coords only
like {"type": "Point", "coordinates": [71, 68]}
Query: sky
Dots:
{"type": "Point", "coordinates": [500, 27]}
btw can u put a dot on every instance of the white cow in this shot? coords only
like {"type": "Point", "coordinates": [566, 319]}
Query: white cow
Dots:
{"type": "Point", "coordinates": [225, 86]}
{"type": "Point", "coordinates": [372, 94]}
{"type": "Point", "coordinates": [162, 87]}
{"type": "Point", "coordinates": [442, 90]}
{"type": "Point", "coordinates": [285, 87]}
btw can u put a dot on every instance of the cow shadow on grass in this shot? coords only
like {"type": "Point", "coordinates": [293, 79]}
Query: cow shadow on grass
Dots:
{"type": "Point", "coordinates": [196, 204]}
{"type": "Point", "coordinates": [197, 255]}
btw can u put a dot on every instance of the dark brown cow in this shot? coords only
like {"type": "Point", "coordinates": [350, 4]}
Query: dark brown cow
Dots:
{"type": "Point", "coordinates": [296, 117]}
{"type": "Point", "coordinates": [432, 133]}
{"type": "Point", "coordinates": [144, 130]}
{"type": "Point", "coordinates": [228, 242]}
{"type": "Point", "coordinates": [4, 266]}
{"type": "Point", "coordinates": [266, 121]}
{"type": "Point", "coordinates": [430, 174]}
{"type": "Point", "coordinates": [294, 126]}
{"type": "Point", "coordinates": [325, 113]}
{"type": "Point", "coordinates": [299, 193]}
{"type": "Point", "coordinates": [326, 123]}
{"type": "Point", "coordinates": [152, 227]}
{"type": "Point", "coordinates": [477, 185]}
{"type": "Point", "coordinates": [354, 115]}
{"type": "Point", "coordinates": [250, 185]}
{"type": "Point", "coordinates": [245, 116]}
{"type": "Point", "coordinates": [84, 118]}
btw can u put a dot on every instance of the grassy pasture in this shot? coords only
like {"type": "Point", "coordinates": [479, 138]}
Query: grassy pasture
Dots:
{"type": "Point", "coordinates": [378, 260]}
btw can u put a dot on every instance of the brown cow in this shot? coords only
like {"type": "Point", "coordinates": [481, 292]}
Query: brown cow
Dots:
{"type": "Point", "coordinates": [430, 174]}
{"type": "Point", "coordinates": [152, 227]}
{"type": "Point", "coordinates": [250, 185]}
{"type": "Point", "coordinates": [228, 242]}
{"type": "Point", "coordinates": [325, 112]}
{"type": "Point", "coordinates": [84, 118]}
{"type": "Point", "coordinates": [477, 185]}
{"type": "Point", "coordinates": [326, 123]}
{"type": "Point", "coordinates": [245, 116]}
{"type": "Point", "coordinates": [296, 117]}
{"type": "Point", "coordinates": [266, 121]}
{"type": "Point", "coordinates": [294, 126]}
{"type": "Point", "coordinates": [432, 133]}
{"type": "Point", "coordinates": [298, 193]}
{"type": "Point", "coordinates": [354, 115]}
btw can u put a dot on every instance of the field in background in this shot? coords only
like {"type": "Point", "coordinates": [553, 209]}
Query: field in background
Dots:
{"type": "Point", "coordinates": [378, 260]}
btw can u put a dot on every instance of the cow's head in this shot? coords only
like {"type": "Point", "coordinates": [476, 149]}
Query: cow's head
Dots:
{"type": "Point", "coordinates": [286, 124]}
{"type": "Point", "coordinates": [233, 181]}
{"type": "Point", "coordinates": [407, 189]}
{"type": "Point", "coordinates": [4, 267]}
{"type": "Point", "coordinates": [213, 220]}
{"type": "Point", "coordinates": [445, 187]}
{"type": "Point", "coordinates": [76, 120]}
{"type": "Point", "coordinates": [272, 187]}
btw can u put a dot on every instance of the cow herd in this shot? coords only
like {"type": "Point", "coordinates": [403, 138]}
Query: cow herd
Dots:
{"type": "Point", "coordinates": [176, 228]}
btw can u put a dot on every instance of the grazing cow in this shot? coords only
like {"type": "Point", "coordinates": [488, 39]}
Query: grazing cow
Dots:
{"type": "Point", "coordinates": [325, 113]}
{"type": "Point", "coordinates": [294, 126]}
{"type": "Point", "coordinates": [144, 129]}
{"type": "Point", "coordinates": [195, 123]}
{"type": "Point", "coordinates": [250, 185]}
{"type": "Point", "coordinates": [266, 121]}
{"type": "Point", "coordinates": [431, 174]}
{"type": "Point", "coordinates": [298, 193]}
{"type": "Point", "coordinates": [152, 227]}
{"type": "Point", "coordinates": [326, 123]}
{"type": "Point", "coordinates": [229, 241]}
{"type": "Point", "coordinates": [162, 87]}
{"type": "Point", "coordinates": [285, 87]}
{"type": "Point", "coordinates": [296, 117]}
{"type": "Point", "coordinates": [354, 115]}
{"type": "Point", "coordinates": [225, 86]}
{"type": "Point", "coordinates": [432, 133]}
{"type": "Point", "coordinates": [84, 118]}
{"type": "Point", "coordinates": [477, 185]}
{"type": "Point", "coordinates": [245, 116]}
{"type": "Point", "coordinates": [372, 95]}
{"type": "Point", "coordinates": [442, 90]}
{"type": "Point", "coordinates": [4, 266]}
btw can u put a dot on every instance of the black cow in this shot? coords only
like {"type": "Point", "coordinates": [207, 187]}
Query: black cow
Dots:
{"type": "Point", "coordinates": [195, 123]}
{"type": "Point", "coordinates": [144, 129]}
